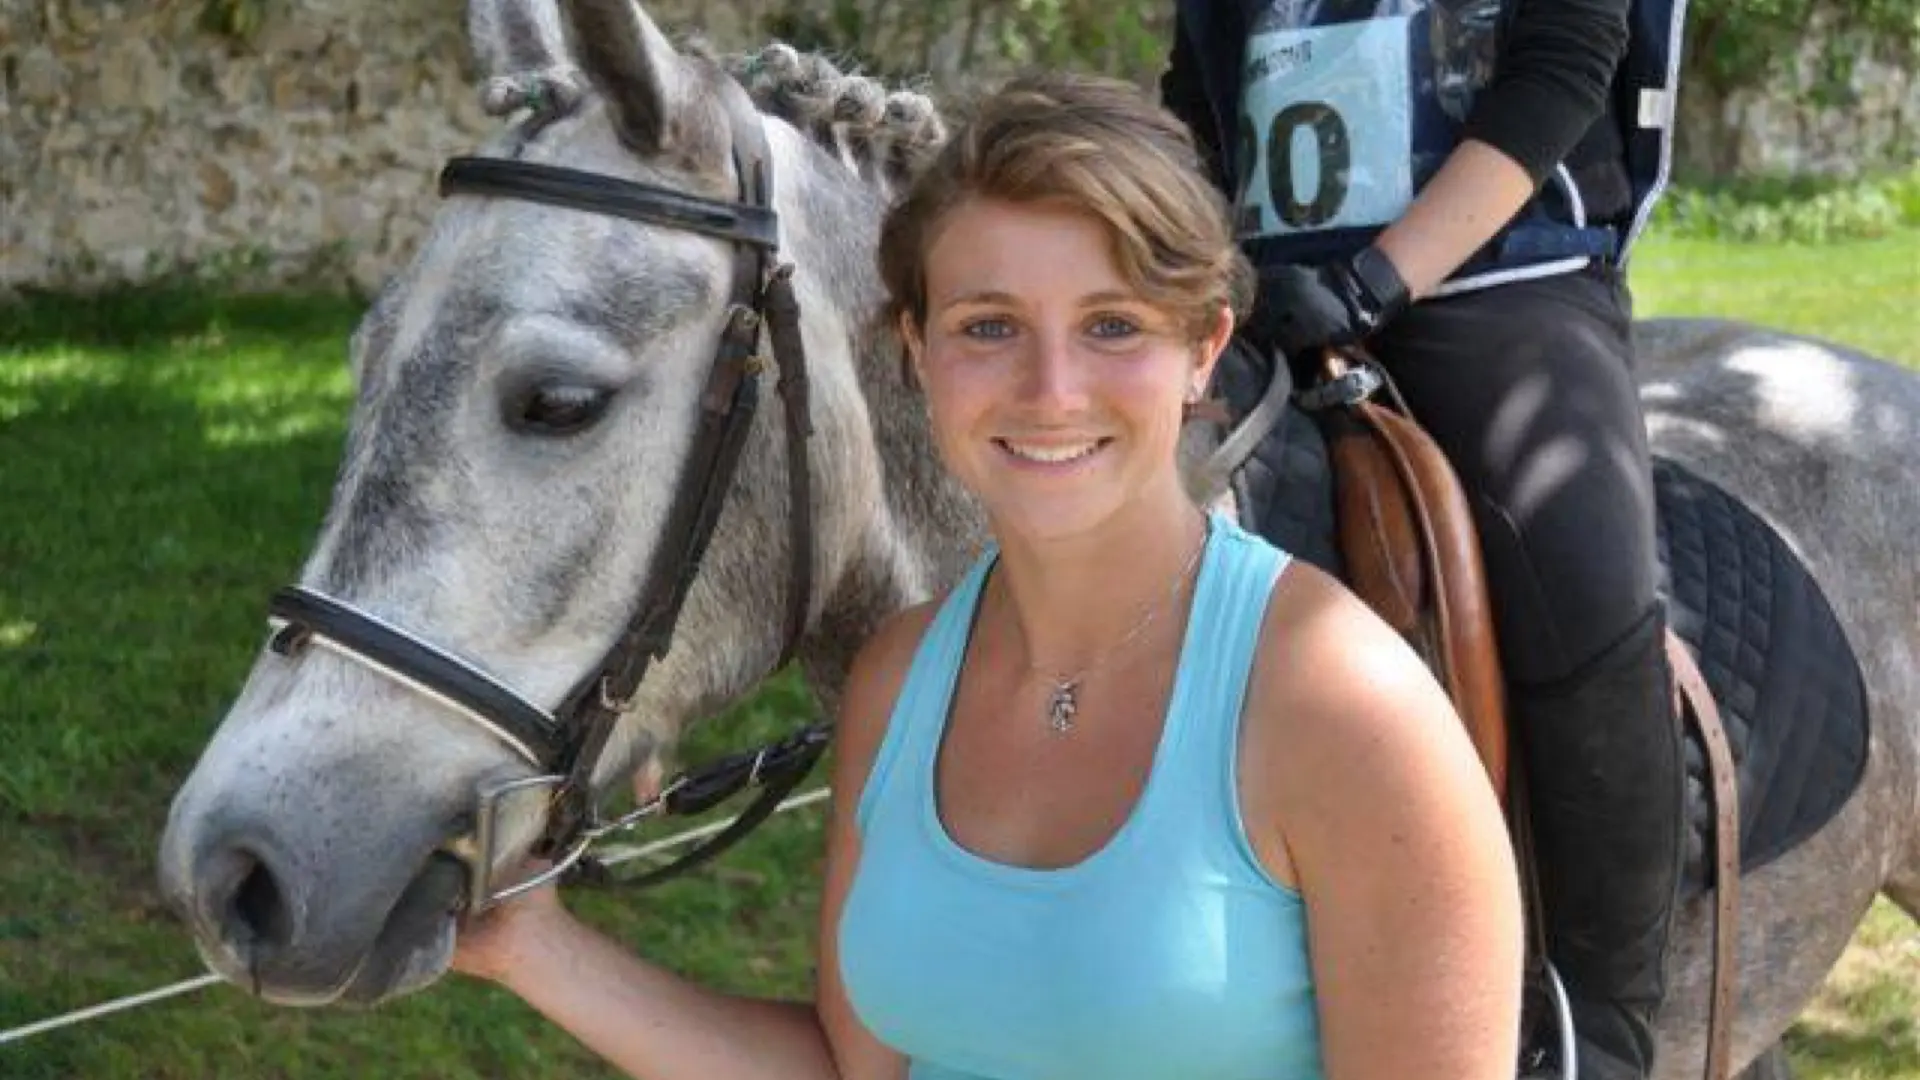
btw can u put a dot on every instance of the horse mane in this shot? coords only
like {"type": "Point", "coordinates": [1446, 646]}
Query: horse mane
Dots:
{"type": "Point", "coordinates": [883, 134]}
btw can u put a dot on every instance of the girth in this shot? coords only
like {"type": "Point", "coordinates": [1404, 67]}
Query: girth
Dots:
{"type": "Point", "coordinates": [566, 746]}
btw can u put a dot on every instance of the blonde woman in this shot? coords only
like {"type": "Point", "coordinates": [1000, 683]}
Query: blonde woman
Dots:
{"type": "Point", "coordinates": [1140, 797]}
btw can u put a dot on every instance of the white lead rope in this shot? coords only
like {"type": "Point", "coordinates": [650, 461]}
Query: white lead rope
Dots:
{"type": "Point", "coordinates": [615, 856]}
{"type": "Point", "coordinates": [95, 1012]}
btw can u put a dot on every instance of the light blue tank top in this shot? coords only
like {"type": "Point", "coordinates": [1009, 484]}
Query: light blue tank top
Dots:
{"type": "Point", "coordinates": [1168, 954]}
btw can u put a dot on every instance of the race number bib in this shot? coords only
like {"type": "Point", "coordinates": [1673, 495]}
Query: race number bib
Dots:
{"type": "Point", "coordinates": [1326, 128]}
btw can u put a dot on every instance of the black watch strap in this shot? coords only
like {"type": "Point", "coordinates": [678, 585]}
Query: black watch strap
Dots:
{"type": "Point", "coordinates": [1382, 291]}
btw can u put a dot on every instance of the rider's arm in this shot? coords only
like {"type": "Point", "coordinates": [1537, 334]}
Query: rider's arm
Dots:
{"type": "Point", "coordinates": [1358, 769]}
{"type": "Point", "coordinates": [651, 1023]}
{"type": "Point", "coordinates": [1557, 62]}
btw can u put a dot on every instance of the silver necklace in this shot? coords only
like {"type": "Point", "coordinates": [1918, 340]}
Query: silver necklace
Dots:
{"type": "Point", "coordinates": [1063, 701]}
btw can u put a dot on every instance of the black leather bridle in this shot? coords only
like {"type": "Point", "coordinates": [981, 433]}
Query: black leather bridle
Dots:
{"type": "Point", "coordinates": [565, 746]}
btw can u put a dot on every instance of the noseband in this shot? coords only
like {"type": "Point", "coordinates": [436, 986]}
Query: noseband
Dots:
{"type": "Point", "coordinates": [565, 746]}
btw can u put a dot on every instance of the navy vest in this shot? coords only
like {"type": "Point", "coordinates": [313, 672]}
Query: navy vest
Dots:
{"type": "Point", "coordinates": [1335, 113]}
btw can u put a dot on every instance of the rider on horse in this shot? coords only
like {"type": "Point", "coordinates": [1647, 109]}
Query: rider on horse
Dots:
{"type": "Point", "coordinates": [1456, 183]}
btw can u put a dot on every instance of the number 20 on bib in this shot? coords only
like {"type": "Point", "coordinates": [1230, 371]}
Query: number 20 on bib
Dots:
{"type": "Point", "coordinates": [1326, 128]}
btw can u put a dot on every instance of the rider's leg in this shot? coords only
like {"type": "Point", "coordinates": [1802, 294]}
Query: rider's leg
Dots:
{"type": "Point", "coordinates": [1529, 390]}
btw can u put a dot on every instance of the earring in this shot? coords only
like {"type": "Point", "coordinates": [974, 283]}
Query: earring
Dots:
{"type": "Point", "coordinates": [1198, 406]}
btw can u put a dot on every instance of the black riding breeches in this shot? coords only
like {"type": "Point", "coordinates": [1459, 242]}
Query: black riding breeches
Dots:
{"type": "Point", "coordinates": [1529, 390]}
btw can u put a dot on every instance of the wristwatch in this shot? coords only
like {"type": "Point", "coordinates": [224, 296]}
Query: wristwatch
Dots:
{"type": "Point", "coordinates": [1374, 290]}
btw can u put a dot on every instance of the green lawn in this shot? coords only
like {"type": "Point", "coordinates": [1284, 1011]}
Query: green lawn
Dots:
{"type": "Point", "coordinates": [1865, 294]}
{"type": "Point", "coordinates": [164, 460]}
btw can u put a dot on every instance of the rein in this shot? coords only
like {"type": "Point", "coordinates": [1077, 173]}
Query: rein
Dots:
{"type": "Point", "coordinates": [567, 745]}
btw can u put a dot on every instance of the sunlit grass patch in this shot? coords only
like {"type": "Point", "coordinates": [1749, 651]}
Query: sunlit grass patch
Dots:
{"type": "Point", "coordinates": [1861, 292]}
{"type": "Point", "coordinates": [1866, 1022]}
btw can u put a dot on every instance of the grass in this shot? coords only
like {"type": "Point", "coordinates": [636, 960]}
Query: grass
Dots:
{"type": "Point", "coordinates": [1861, 293]}
{"type": "Point", "coordinates": [1867, 1023]}
{"type": "Point", "coordinates": [164, 461]}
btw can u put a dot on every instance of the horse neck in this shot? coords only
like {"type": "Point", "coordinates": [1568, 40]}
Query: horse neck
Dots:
{"type": "Point", "coordinates": [893, 528]}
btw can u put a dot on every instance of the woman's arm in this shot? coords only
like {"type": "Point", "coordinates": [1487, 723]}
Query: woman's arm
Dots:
{"type": "Point", "coordinates": [1381, 812]}
{"type": "Point", "coordinates": [1556, 67]}
{"type": "Point", "coordinates": [651, 1023]}
{"type": "Point", "coordinates": [873, 684]}
{"type": "Point", "coordinates": [1557, 62]}
{"type": "Point", "coordinates": [1473, 196]}
{"type": "Point", "coordinates": [647, 1021]}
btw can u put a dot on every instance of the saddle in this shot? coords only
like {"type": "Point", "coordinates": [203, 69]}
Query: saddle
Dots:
{"type": "Point", "coordinates": [1406, 544]}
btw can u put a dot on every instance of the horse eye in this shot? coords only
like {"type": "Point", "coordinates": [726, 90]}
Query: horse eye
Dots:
{"type": "Point", "coordinates": [557, 409]}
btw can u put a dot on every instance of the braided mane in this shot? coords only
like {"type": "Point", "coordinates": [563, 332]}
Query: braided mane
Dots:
{"type": "Point", "coordinates": [884, 135]}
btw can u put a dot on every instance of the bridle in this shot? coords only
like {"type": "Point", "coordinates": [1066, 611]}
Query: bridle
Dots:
{"type": "Point", "coordinates": [565, 746]}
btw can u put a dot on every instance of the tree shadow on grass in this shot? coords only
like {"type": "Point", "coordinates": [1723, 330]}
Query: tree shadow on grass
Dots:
{"type": "Point", "coordinates": [143, 525]}
{"type": "Point", "coordinates": [157, 314]}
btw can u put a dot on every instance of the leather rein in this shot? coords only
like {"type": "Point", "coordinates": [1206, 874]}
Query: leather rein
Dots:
{"type": "Point", "coordinates": [566, 746]}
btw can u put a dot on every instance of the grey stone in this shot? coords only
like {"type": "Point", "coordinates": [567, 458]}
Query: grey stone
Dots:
{"type": "Point", "coordinates": [218, 188]}
{"type": "Point", "coordinates": [41, 78]}
{"type": "Point", "coordinates": [132, 76]}
{"type": "Point", "coordinates": [291, 36]}
{"type": "Point", "coordinates": [116, 230]}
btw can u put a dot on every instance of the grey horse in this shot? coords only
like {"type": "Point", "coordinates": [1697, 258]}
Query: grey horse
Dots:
{"type": "Point", "coordinates": [297, 848]}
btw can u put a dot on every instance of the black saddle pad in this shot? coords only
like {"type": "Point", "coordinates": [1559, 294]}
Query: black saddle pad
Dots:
{"type": "Point", "coordinates": [1284, 491]}
{"type": "Point", "coordinates": [1787, 682]}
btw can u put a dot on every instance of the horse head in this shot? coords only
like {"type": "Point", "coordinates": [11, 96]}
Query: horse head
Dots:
{"type": "Point", "coordinates": [529, 391]}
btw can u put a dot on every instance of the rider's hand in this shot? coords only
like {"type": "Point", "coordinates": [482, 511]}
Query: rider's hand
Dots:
{"type": "Point", "coordinates": [1303, 309]}
{"type": "Point", "coordinates": [487, 946]}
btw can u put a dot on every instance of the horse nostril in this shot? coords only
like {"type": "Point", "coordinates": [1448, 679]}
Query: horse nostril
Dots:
{"type": "Point", "coordinates": [252, 909]}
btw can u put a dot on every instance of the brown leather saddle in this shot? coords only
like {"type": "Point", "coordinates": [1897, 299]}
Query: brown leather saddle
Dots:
{"type": "Point", "coordinates": [1410, 549]}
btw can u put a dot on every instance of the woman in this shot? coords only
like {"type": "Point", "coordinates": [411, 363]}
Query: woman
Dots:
{"type": "Point", "coordinates": [1457, 183]}
{"type": "Point", "coordinates": [1139, 797]}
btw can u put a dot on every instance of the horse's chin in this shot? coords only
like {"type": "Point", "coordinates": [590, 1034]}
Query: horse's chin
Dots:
{"type": "Point", "coordinates": [413, 949]}
{"type": "Point", "coordinates": [391, 974]}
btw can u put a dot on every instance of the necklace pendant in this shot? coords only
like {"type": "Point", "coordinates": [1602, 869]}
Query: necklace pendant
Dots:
{"type": "Point", "coordinates": [1062, 705]}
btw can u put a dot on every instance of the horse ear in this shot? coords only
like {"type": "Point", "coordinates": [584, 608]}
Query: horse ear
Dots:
{"type": "Point", "coordinates": [522, 48]}
{"type": "Point", "coordinates": [647, 84]}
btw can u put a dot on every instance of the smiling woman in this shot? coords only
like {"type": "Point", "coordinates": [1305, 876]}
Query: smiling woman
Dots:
{"type": "Point", "coordinates": [1052, 854]}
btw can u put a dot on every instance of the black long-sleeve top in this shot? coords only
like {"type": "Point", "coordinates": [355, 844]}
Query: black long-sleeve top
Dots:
{"type": "Point", "coordinates": [1556, 67]}
{"type": "Point", "coordinates": [1551, 86]}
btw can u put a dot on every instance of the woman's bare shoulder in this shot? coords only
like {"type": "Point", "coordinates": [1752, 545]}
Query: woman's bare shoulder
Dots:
{"type": "Point", "coordinates": [879, 669]}
{"type": "Point", "coordinates": [1335, 688]}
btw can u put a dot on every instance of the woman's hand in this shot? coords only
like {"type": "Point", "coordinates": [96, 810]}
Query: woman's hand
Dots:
{"type": "Point", "coordinates": [489, 945]}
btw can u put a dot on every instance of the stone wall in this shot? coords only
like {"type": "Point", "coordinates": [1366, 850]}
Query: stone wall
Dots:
{"type": "Point", "coordinates": [1783, 130]}
{"type": "Point", "coordinates": [134, 144]}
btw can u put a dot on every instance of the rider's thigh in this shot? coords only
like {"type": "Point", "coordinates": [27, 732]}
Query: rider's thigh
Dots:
{"type": "Point", "coordinates": [1529, 389]}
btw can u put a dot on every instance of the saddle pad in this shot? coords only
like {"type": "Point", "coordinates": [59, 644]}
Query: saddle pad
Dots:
{"type": "Point", "coordinates": [1284, 490]}
{"type": "Point", "coordinates": [1789, 688]}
